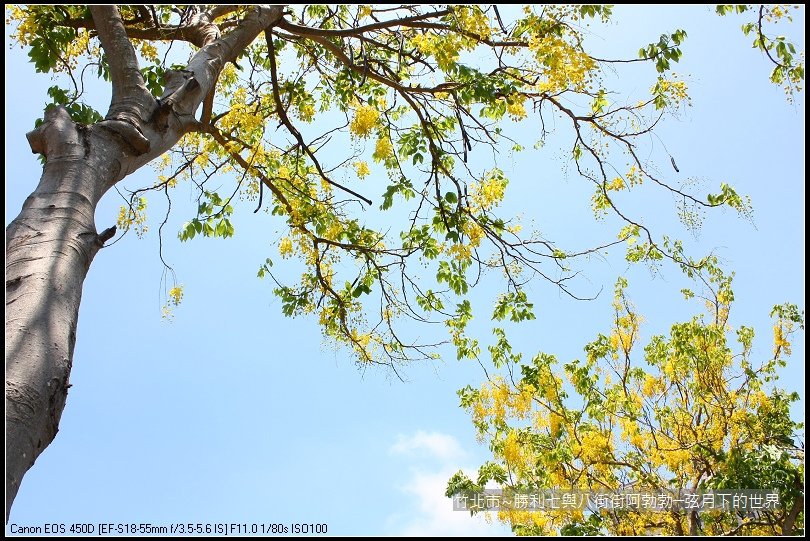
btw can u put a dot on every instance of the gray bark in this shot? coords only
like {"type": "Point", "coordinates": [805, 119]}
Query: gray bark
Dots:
{"type": "Point", "coordinates": [51, 244]}
{"type": "Point", "coordinates": [49, 248]}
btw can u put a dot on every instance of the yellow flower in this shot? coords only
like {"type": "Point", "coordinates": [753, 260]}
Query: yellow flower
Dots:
{"type": "Point", "coordinates": [133, 217]}
{"type": "Point", "coordinates": [460, 252]}
{"type": "Point", "coordinates": [27, 27]}
{"type": "Point", "coordinates": [595, 445]}
{"type": "Point", "coordinates": [779, 340]}
{"type": "Point", "coordinates": [511, 448]}
{"type": "Point", "coordinates": [515, 108]}
{"type": "Point", "coordinates": [650, 384]}
{"type": "Point", "coordinates": [472, 19]}
{"type": "Point", "coordinates": [176, 295]}
{"type": "Point", "coordinates": [149, 51]}
{"type": "Point", "coordinates": [489, 193]}
{"type": "Point", "coordinates": [383, 149]}
{"type": "Point", "coordinates": [565, 65]}
{"type": "Point", "coordinates": [365, 117]}
{"type": "Point", "coordinates": [616, 185]}
{"type": "Point", "coordinates": [523, 401]}
{"type": "Point", "coordinates": [285, 247]}
{"type": "Point", "coordinates": [306, 111]}
{"type": "Point", "coordinates": [362, 169]}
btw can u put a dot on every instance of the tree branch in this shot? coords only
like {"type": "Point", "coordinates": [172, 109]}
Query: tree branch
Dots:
{"type": "Point", "coordinates": [446, 86]}
{"type": "Point", "coordinates": [131, 101]}
{"type": "Point", "coordinates": [282, 114]}
{"type": "Point", "coordinates": [198, 29]}
{"type": "Point", "coordinates": [405, 21]}
{"type": "Point", "coordinates": [221, 10]}
{"type": "Point", "coordinates": [173, 115]}
{"type": "Point", "coordinates": [790, 519]}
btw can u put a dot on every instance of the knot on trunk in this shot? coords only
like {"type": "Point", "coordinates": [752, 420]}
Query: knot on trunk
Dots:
{"type": "Point", "coordinates": [123, 125]}
{"type": "Point", "coordinates": [56, 130]}
{"type": "Point", "coordinates": [177, 98]}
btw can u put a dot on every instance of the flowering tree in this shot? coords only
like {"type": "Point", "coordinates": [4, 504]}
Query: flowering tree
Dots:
{"type": "Point", "coordinates": [261, 93]}
{"type": "Point", "coordinates": [693, 411]}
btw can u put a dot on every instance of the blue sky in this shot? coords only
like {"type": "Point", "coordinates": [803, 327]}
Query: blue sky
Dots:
{"type": "Point", "coordinates": [233, 413]}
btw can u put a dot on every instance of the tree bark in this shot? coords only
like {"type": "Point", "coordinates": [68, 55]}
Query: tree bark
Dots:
{"type": "Point", "coordinates": [50, 245]}
{"type": "Point", "coordinates": [49, 248]}
{"type": "Point", "coordinates": [790, 519]}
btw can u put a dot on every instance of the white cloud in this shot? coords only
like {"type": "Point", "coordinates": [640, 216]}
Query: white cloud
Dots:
{"type": "Point", "coordinates": [433, 444]}
{"type": "Point", "coordinates": [427, 511]}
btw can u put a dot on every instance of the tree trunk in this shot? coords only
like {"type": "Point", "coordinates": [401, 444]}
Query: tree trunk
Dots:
{"type": "Point", "coordinates": [49, 248]}
{"type": "Point", "coordinates": [790, 519]}
{"type": "Point", "coordinates": [50, 245]}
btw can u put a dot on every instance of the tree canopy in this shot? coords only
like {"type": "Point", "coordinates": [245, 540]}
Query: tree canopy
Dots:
{"type": "Point", "coordinates": [416, 88]}
{"type": "Point", "coordinates": [285, 110]}
{"type": "Point", "coordinates": [699, 413]}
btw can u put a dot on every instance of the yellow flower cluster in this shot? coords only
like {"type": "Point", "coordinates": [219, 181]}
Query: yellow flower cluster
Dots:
{"type": "Point", "coordinates": [490, 191]}
{"type": "Point", "coordinates": [75, 49]}
{"type": "Point", "coordinates": [383, 149]}
{"type": "Point", "coordinates": [176, 295]}
{"type": "Point", "coordinates": [625, 333]}
{"type": "Point", "coordinates": [650, 385]}
{"type": "Point", "coordinates": [360, 339]}
{"type": "Point", "coordinates": [555, 425]}
{"type": "Point", "coordinates": [306, 111]}
{"type": "Point", "coordinates": [522, 402]}
{"type": "Point", "coordinates": [227, 77]}
{"type": "Point", "coordinates": [170, 182]}
{"type": "Point", "coordinates": [511, 448]}
{"type": "Point", "coordinates": [677, 91]}
{"type": "Point", "coordinates": [459, 251]}
{"type": "Point", "coordinates": [631, 433]}
{"type": "Point", "coordinates": [149, 51]}
{"type": "Point", "coordinates": [472, 24]}
{"type": "Point", "coordinates": [133, 217]}
{"type": "Point", "coordinates": [241, 116]}
{"type": "Point", "coordinates": [361, 168]}
{"type": "Point", "coordinates": [595, 446]}
{"type": "Point", "coordinates": [515, 107]}
{"type": "Point", "coordinates": [566, 66]}
{"type": "Point", "coordinates": [445, 48]}
{"type": "Point", "coordinates": [779, 340]}
{"type": "Point", "coordinates": [635, 524]}
{"type": "Point", "coordinates": [632, 178]}
{"type": "Point", "coordinates": [498, 399]}
{"type": "Point", "coordinates": [26, 31]}
{"type": "Point", "coordinates": [365, 118]}
{"type": "Point", "coordinates": [475, 233]}
{"type": "Point", "coordinates": [285, 247]}
{"type": "Point", "coordinates": [471, 19]}
{"type": "Point", "coordinates": [615, 185]}
{"type": "Point", "coordinates": [27, 26]}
